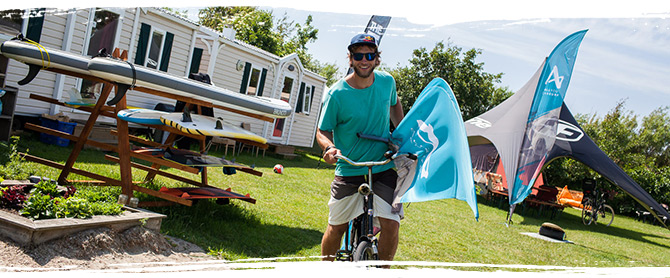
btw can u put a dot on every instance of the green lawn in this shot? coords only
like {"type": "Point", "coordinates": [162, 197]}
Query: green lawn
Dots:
{"type": "Point", "coordinates": [291, 214]}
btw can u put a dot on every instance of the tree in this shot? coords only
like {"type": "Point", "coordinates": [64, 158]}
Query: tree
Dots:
{"type": "Point", "coordinates": [474, 89]}
{"type": "Point", "coordinates": [259, 28]}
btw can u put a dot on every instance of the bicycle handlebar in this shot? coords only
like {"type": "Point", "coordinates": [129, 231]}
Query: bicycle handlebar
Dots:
{"type": "Point", "coordinates": [363, 164]}
{"type": "Point", "coordinates": [375, 163]}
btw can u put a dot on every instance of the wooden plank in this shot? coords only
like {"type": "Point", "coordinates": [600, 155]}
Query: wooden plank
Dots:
{"type": "Point", "coordinates": [139, 139]}
{"type": "Point", "coordinates": [155, 204]}
{"type": "Point", "coordinates": [162, 195]}
{"type": "Point", "coordinates": [168, 142]}
{"type": "Point", "coordinates": [124, 149]}
{"type": "Point", "coordinates": [159, 172]}
{"type": "Point", "coordinates": [108, 147]}
{"type": "Point", "coordinates": [106, 110]}
{"type": "Point", "coordinates": [79, 145]}
{"type": "Point", "coordinates": [72, 170]}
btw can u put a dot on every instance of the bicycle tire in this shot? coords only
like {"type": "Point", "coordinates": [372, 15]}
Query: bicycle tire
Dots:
{"type": "Point", "coordinates": [587, 212]}
{"type": "Point", "coordinates": [365, 251]}
{"type": "Point", "coordinates": [607, 215]}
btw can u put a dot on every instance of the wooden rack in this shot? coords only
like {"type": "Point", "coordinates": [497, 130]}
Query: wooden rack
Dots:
{"type": "Point", "coordinates": [123, 148]}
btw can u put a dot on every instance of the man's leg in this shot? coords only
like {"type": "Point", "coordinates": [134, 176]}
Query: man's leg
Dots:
{"type": "Point", "coordinates": [332, 240]}
{"type": "Point", "coordinates": [388, 239]}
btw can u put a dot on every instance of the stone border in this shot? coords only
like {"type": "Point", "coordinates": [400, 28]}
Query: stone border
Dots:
{"type": "Point", "coordinates": [26, 231]}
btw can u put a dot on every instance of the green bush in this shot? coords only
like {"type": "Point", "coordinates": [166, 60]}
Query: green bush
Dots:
{"type": "Point", "coordinates": [38, 206]}
{"type": "Point", "coordinates": [72, 208]}
{"type": "Point", "coordinates": [47, 201]}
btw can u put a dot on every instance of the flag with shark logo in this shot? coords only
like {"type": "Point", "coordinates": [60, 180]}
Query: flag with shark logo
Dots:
{"type": "Point", "coordinates": [433, 130]}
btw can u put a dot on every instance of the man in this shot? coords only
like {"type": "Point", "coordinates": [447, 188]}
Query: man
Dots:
{"type": "Point", "coordinates": [365, 101]}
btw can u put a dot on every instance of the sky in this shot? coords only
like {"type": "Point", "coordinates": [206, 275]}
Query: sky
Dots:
{"type": "Point", "coordinates": [625, 55]}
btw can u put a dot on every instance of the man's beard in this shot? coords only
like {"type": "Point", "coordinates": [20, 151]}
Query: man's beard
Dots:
{"type": "Point", "coordinates": [362, 73]}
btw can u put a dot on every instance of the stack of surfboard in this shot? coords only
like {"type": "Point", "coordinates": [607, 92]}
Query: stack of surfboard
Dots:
{"type": "Point", "coordinates": [125, 73]}
{"type": "Point", "coordinates": [189, 123]}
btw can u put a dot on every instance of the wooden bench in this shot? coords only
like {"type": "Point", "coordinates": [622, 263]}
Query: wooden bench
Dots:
{"type": "Point", "coordinates": [285, 151]}
{"type": "Point", "coordinates": [554, 208]}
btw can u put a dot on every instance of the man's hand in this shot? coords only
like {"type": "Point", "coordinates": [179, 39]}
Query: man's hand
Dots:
{"type": "Point", "coordinates": [329, 155]}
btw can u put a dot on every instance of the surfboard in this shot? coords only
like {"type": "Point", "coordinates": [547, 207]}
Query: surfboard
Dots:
{"type": "Point", "coordinates": [209, 126]}
{"type": "Point", "coordinates": [142, 116]}
{"type": "Point", "coordinates": [126, 73]}
{"type": "Point", "coordinates": [40, 57]}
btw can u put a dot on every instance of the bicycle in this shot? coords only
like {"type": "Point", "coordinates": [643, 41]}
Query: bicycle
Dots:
{"type": "Point", "coordinates": [360, 239]}
{"type": "Point", "coordinates": [595, 208]}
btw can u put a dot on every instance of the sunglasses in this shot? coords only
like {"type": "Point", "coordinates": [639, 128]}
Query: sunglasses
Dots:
{"type": "Point", "coordinates": [368, 56]}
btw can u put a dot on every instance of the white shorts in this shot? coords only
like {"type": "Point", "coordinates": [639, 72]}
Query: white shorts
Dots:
{"type": "Point", "coordinates": [346, 203]}
{"type": "Point", "coordinates": [351, 207]}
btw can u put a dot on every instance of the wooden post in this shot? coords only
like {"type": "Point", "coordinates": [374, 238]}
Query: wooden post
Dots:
{"type": "Point", "coordinates": [124, 151]}
{"type": "Point", "coordinates": [85, 132]}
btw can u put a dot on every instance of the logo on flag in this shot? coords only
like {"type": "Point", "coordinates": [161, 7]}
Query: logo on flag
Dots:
{"type": "Point", "coordinates": [555, 77]}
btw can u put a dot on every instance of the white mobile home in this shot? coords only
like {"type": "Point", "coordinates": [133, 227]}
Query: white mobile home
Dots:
{"type": "Point", "coordinates": [166, 42]}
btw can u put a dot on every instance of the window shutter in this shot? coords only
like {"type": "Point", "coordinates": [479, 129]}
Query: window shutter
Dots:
{"type": "Point", "coordinates": [167, 49]}
{"type": "Point", "coordinates": [35, 24]}
{"type": "Point", "coordinates": [143, 42]}
{"type": "Point", "coordinates": [262, 82]}
{"type": "Point", "coordinates": [195, 62]}
{"type": "Point", "coordinates": [245, 78]}
{"type": "Point", "coordinates": [301, 95]}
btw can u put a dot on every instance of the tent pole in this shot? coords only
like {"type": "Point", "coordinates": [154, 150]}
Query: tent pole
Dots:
{"type": "Point", "coordinates": [509, 215]}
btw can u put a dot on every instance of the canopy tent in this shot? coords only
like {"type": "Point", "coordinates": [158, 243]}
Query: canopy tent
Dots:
{"type": "Point", "coordinates": [527, 139]}
{"type": "Point", "coordinates": [485, 159]}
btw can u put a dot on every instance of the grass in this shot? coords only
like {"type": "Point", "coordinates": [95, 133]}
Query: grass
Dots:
{"type": "Point", "coordinates": [291, 214]}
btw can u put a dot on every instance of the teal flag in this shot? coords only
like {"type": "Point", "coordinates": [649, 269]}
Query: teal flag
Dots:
{"type": "Point", "coordinates": [434, 130]}
{"type": "Point", "coordinates": [542, 124]}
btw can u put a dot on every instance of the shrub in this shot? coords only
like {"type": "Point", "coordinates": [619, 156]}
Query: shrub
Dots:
{"type": "Point", "coordinates": [13, 197]}
{"type": "Point", "coordinates": [46, 201]}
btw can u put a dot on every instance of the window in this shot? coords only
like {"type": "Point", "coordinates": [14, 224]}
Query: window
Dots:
{"type": "Point", "coordinates": [307, 100]}
{"type": "Point", "coordinates": [304, 99]}
{"type": "Point", "coordinates": [155, 46]}
{"type": "Point", "coordinates": [102, 34]}
{"type": "Point", "coordinates": [254, 79]}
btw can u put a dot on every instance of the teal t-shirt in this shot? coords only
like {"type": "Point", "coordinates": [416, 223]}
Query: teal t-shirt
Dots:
{"type": "Point", "coordinates": [347, 111]}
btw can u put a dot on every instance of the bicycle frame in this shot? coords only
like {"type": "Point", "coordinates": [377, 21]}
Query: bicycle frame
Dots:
{"type": "Point", "coordinates": [360, 241]}
{"type": "Point", "coordinates": [361, 228]}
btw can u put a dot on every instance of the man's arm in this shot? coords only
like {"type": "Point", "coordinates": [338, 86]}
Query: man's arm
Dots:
{"type": "Point", "coordinates": [396, 113]}
{"type": "Point", "coordinates": [325, 140]}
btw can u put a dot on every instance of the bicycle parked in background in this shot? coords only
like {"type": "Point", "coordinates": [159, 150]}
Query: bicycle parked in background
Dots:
{"type": "Point", "coordinates": [596, 209]}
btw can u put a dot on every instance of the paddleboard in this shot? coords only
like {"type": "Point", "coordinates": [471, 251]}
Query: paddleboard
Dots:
{"type": "Point", "coordinates": [209, 126]}
{"type": "Point", "coordinates": [142, 116]}
{"type": "Point", "coordinates": [125, 73]}
{"type": "Point", "coordinates": [40, 57]}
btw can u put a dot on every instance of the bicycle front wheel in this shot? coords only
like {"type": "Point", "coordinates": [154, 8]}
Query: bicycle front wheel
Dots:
{"type": "Point", "coordinates": [365, 251]}
{"type": "Point", "coordinates": [606, 215]}
{"type": "Point", "coordinates": [587, 212]}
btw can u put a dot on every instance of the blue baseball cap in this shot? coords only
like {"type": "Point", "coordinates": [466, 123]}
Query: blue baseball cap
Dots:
{"type": "Point", "coordinates": [363, 39]}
